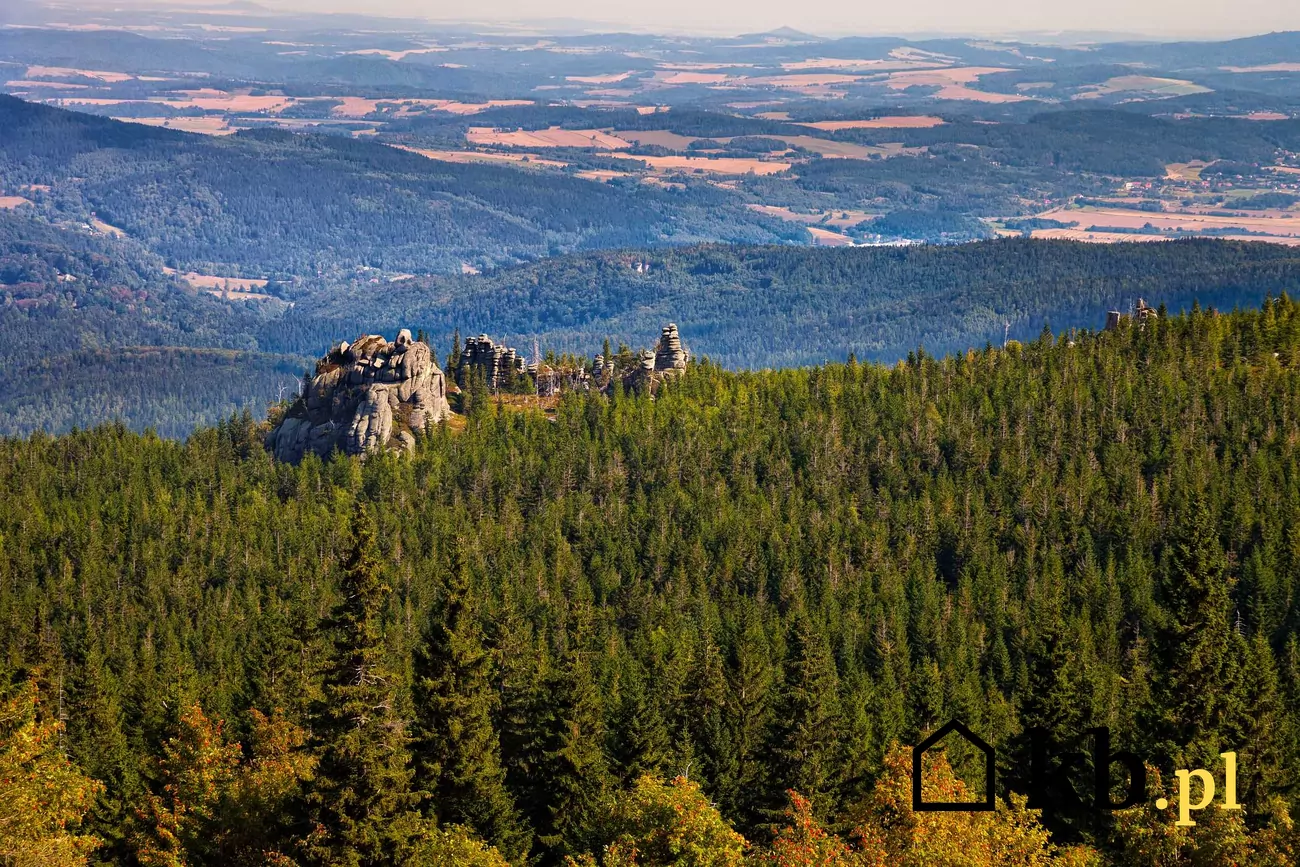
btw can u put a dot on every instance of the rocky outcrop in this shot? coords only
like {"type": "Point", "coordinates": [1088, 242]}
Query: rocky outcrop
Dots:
{"type": "Point", "coordinates": [1141, 313]}
{"type": "Point", "coordinates": [496, 360]}
{"type": "Point", "coordinates": [669, 355]}
{"type": "Point", "coordinates": [364, 397]}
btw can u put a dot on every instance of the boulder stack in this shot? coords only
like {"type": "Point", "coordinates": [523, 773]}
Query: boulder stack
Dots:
{"type": "Point", "coordinates": [669, 355]}
{"type": "Point", "coordinates": [496, 360]}
{"type": "Point", "coordinates": [364, 397]}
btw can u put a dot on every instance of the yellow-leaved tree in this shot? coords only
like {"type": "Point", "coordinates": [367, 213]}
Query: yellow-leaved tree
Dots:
{"type": "Point", "coordinates": [43, 796]}
{"type": "Point", "coordinates": [888, 833]}
{"type": "Point", "coordinates": [659, 824]}
{"type": "Point", "coordinates": [220, 804]}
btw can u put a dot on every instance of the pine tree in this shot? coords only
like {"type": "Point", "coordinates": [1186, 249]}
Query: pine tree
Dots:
{"type": "Point", "coordinates": [457, 751]}
{"type": "Point", "coordinates": [806, 744]}
{"type": "Point", "coordinates": [640, 737]}
{"type": "Point", "coordinates": [574, 759]}
{"type": "Point", "coordinates": [1200, 697]}
{"type": "Point", "coordinates": [360, 802]}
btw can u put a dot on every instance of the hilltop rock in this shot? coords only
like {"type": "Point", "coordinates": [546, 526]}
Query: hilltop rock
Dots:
{"type": "Point", "coordinates": [497, 361]}
{"type": "Point", "coordinates": [364, 397]}
{"type": "Point", "coordinates": [669, 355]}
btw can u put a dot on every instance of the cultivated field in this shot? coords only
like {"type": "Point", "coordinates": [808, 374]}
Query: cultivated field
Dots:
{"type": "Point", "coordinates": [211, 281]}
{"type": "Point", "coordinates": [953, 83]}
{"type": "Point", "coordinates": [483, 157]}
{"type": "Point", "coordinates": [1277, 224]}
{"type": "Point", "coordinates": [720, 165]}
{"type": "Point", "coordinates": [838, 218]}
{"type": "Point", "coordinates": [901, 122]}
{"type": "Point", "coordinates": [66, 72]}
{"type": "Point", "coordinates": [545, 138]}
{"type": "Point", "coordinates": [8, 202]}
{"type": "Point", "coordinates": [660, 137]}
{"type": "Point", "coordinates": [202, 125]}
{"type": "Point", "coordinates": [827, 238]}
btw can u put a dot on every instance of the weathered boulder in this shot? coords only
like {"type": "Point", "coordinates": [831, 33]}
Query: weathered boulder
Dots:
{"type": "Point", "coordinates": [669, 354]}
{"type": "Point", "coordinates": [364, 397]}
{"type": "Point", "coordinates": [497, 361]}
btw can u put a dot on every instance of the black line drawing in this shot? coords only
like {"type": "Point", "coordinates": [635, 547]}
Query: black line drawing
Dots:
{"type": "Point", "coordinates": [920, 805]}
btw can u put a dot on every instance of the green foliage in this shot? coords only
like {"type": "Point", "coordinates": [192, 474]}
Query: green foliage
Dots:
{"type": "Point", "coordinates": [708, 583]}
{"type": "Point", "coordinates": [360, 800]}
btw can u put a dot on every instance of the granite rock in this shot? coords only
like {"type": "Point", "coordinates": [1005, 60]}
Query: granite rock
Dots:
{"type": "Point", "coordinates": [365, 396]}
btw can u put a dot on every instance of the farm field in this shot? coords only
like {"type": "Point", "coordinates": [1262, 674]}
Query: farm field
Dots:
{"type": "Point", "coordinates": [9, 202]}
{"type": "Point", "coordinates": [837, 218]}
{"type": "Point", "coordinates": [201, 125]}
{"type": "Point", "coordinates": [452, 156]}
{"type": "Point", "coordinates": [553, 137]}
{"type": "Point", "coordinates": [827, 238]}
{"type": "Point", "coordinates": [902, 122]}
{"type": "Point", "coordinates": [1279, 224]}
{"type": "Point", "coordinates": [719, 165]}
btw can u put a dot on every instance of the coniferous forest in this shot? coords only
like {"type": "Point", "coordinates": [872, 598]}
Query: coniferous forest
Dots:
{"type": "Point", "coordinates": [699, 629]}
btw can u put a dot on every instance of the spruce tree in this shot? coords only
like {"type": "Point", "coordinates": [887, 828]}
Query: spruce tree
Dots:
{"type": "Point", "coordinates": [640, 737]}
{"type": "Point", "coordinates": [1199, 699]}
{"type": "Point", "coordinates": [360, 802]}
{"type": "Point", "coordinates": [806, 748]}
{"type": "Point", "coordinates": [457, 751]}
{"type": "Point", "coordinates": [573, 760]}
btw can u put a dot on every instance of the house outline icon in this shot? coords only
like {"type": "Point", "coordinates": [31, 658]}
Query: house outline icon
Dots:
{"type": "Point", "coordinates": [920, 805]}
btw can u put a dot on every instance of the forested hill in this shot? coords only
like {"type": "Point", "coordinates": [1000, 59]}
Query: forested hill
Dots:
{"type": "Point", "coordinates": [766, 581]}
{"type": "Point", "coordinates": [781, 306]}
{"type": "Point", "coordinates": [266, 202]}
{"type": "Point", "coordinates": [80, 348]}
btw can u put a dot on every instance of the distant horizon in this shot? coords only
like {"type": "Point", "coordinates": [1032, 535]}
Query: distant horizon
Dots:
{"type": "Point", "coordinates": [1010, 20]}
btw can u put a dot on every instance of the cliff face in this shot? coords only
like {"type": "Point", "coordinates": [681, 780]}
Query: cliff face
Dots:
{"type": "Point", "coordinates": [365, 397]}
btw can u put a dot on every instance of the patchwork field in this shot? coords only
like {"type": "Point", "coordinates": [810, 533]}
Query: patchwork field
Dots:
{"type": "Point", "coordinates": [202, 125]}
{"type": "Point", "coordinates": [553, 137]}
{"type": "Point", "coordinates": [210, 281]}
{"type": "Point", "coordinates": [719, 165]}
{"type": "Point", "coordinates": [1279, 226]}
{"type": "Point", "coordinates": [67, 72]}
{"type": "Point", "coordinates": [660, 137]}
{"type": "Point", "coordinates": [953, 83]}
{"type": "Point", "coordinates": [827, 238]}
{"type": "Point", "coordinates": [450, 156]}
{"type": "Point", "coordinates": [1145, 84]}
{"type": "Point", "coordinates": [837, 218]}
{"type": "Point", "coordinates": [902, 122]}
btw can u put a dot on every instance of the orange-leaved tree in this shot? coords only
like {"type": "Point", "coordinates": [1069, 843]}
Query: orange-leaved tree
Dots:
{"type": "Point", "coordinates": [803, 842]}
{"type": "Point", "coordinates": [216, 806]}
{"type": "Point", "coordinates": [659, 824]}
{"type": "Point", "coordinates": [43, 796]}
{"type": "Point", "coordinates": [888, 833]}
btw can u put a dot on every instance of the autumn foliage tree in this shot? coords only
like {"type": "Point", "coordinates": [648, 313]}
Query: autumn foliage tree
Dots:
{"type": "Point", "coordinates": [664, 824]}
{"type": "Point", "coordinates": [216, 804]}
{"type": "Point", "coordinates": [888, 833]}
{"type": "Point", "coordinates": [43, 796]}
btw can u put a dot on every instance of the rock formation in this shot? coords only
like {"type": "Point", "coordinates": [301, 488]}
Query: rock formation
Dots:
{"type": "Point", "coordinates": [496, 360]}
{"type": "Point", "coordinates": [669, 355]}
{"type": "Point", "coordinates": [1141, 313]}
{"type": "Point", "coordinates": [364, 397]}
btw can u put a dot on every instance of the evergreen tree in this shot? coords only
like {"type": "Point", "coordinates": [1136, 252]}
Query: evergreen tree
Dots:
{"type": "Point", "coordinates": [573, 759]}
{"type": "Point", "coordinates": [807, 747]}
{"type": "Point", "coordinates": [457, 751]}
{"type": "Point", "coordinates": [640, 743]}
{"type": "Point", "coordinates": [1199, 700]}
{"type": "Point", "coordinates": [360, 802]}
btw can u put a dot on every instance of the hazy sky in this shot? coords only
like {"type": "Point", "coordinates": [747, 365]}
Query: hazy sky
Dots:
{"type": "Point", "coordinates": [839, 17]}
